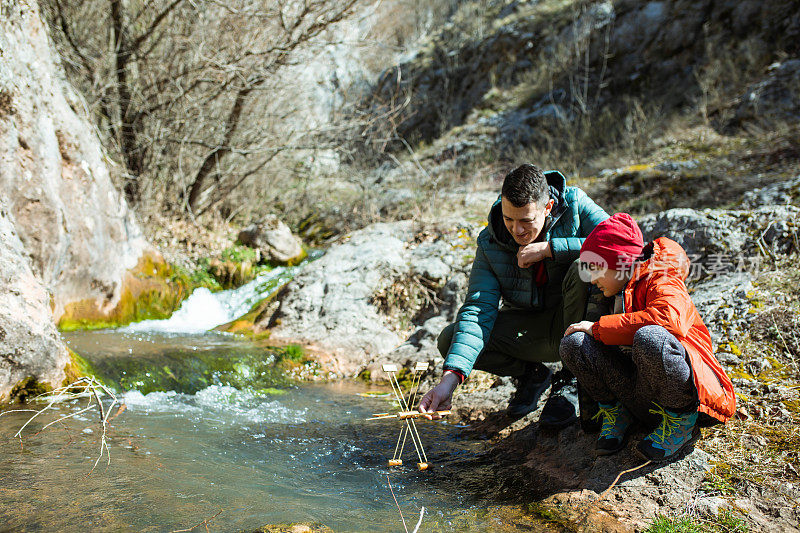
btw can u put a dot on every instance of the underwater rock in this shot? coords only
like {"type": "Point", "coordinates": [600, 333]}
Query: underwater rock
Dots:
{"type": "Point", "coordinates": [294, 528]}
{"type": "Point", "coordinates": [273, 239]}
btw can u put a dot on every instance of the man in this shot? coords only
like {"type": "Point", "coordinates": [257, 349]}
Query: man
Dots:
{"type": "Point", "coordinates": [526, 256]}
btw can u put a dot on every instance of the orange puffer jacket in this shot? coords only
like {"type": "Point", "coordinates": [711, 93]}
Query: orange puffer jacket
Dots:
{"type": "Point", "coordinates": [656, 294]}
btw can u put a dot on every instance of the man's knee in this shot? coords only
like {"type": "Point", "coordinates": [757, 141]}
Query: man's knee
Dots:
{"type": "Point", "coordinates": [445, 339]}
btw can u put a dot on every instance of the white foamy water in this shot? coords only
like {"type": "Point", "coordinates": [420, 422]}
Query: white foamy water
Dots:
{"type": "Point", "coordinates": [204, 310]}
{"type": "Point", "coordinates": [221, 402]}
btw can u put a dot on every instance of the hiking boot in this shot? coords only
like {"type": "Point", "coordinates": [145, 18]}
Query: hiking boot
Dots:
{"type": "Point", "coordinates": [530, 387]}
{"type": "Point", "coordinates": [676, 432]}
{"type": "Point", "coordinates": [616, 420]}
{"type": "Point", "coordinates": [561, 407]}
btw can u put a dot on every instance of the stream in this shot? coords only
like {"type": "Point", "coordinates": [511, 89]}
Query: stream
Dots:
{"type": "Point", "coordinates": [214, 429]}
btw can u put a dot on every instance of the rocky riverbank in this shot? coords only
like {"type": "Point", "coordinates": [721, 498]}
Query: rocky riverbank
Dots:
{"type": "Point", "coordinates": [383, 293]}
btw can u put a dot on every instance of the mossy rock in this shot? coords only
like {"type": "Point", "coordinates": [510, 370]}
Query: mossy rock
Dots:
{"type": "Point", "coordinates": [151, 290]}
{"type": "Point", "coordinates": [29, 387]}
{"type": "Point", "coordinates": [78, 367]}
{"type": "Point", "coordinates": [231, 274]}
{"type": "Point", "coordinates": [247, 324]}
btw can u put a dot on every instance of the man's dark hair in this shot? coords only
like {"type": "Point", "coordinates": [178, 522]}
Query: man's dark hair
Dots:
{"type": "Point", "coordinates": [524, 185]}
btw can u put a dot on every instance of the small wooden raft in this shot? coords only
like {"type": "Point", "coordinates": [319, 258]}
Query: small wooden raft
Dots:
{"type": "Point", "coordinates": [409, 428]}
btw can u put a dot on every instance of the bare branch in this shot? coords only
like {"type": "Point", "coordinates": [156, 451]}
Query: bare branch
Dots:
{"type": "Point", "coordinates": [154, 25]}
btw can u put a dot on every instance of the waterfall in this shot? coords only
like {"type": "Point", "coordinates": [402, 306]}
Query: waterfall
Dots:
{"type": "Point", "coordinates": [204, 310]}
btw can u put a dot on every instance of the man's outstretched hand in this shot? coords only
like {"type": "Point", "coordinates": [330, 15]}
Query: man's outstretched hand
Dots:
{"type": "Point", "coordinates": [439, 398]}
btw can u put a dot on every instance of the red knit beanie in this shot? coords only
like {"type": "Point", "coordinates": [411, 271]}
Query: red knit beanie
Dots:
{"type": "Point", "coordinates": [617, 241]}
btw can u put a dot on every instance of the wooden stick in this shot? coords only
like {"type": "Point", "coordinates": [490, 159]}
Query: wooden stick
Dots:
{"type": "Point", "coordinates": [403, 415]}
{"type": "Point", "coordinates": [413, 426]}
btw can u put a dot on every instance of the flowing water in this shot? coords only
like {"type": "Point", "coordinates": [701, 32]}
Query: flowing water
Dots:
{"type": "Point", "coordinates": [213, 428]}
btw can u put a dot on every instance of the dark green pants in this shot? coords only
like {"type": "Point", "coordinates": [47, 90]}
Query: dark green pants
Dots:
{"type": "Point", "coordinates": [521, 336]}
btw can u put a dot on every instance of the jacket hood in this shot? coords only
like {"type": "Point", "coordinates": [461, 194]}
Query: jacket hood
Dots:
{"type": "Point", "coordinates": [663, 256]}
{"type": "Point", "coordinates": [557, 184]}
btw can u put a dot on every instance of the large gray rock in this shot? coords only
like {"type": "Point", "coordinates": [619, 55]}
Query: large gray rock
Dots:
{"type": "Point", "coordinates": [779, 193]}
{"type": "Point", "coordinates": [79, 233]}
{"type": "Point", "coordinates": [337, 303]}
{"type": "Point", "coordinates": [735, 237]}
{"type": "Point", "coordinates": [273, 239]}
{"type": "Point", "coordinates": [30, 345]}
{"type": "Point", "coordinates": [66, 235]}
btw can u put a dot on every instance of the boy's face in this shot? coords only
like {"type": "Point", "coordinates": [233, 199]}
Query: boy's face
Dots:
{"type": "Point", "coordinates": [608, 280]}
{"type": "Point", "coordinates": [525, 223]}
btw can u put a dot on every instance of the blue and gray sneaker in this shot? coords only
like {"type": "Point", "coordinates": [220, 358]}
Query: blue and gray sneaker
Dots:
{"type": "Point", "coordinates": [616, 421]}
{"type": "Point", "coordinates": [676, 432]}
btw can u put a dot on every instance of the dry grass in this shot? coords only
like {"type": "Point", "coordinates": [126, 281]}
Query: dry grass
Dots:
{"type": "Point", "coordinates": [760, 447]}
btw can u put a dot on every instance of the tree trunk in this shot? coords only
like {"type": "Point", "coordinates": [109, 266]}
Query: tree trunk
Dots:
{"type": "Point", "coordinates": [128, 130]}
{"type": "Point", "coordinates": [198, 188]}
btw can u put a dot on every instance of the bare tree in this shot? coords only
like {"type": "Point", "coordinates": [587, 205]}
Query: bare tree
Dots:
{"type": "Point", "coordinates": [182, 89]}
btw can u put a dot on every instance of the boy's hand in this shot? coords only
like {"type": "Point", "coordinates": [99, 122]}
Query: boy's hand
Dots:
{"type": "Point", "coordinates": [533, 253]}
{"type": "Point", "coordinates": [439, 397]}
{"type": "Point", "coordinates": [585, 327]}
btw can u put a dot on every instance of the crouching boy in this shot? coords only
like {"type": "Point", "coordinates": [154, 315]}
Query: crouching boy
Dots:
{"type": "Point", "coordinates": [651, 360]}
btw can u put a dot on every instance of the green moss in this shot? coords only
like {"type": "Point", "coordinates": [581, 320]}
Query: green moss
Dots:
{"type": "Point", "coordinates": [200, 277]}
{"type": "Point", "coordinates": [258, 368]}
{"type": "Point", "coordinates": [719, 479]}
{"type": "Point", "coordinates": [271, 391]}
{"type": "Point", "coordinates": [293, 352]}
{"type": "Point", "coordinates": [725, 522]}
{"type": "Point", "coordinates": [239, 253]}
{"type": "Point", "coordinates": [152, 290]}
{"type": "Point", "coordinates": [548, 514]}
{"type": "Point", "coordinates": [28, 388]}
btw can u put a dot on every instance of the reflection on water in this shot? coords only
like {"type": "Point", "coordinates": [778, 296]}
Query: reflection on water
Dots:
{"type": "Point", "coordinates": [260, 455]}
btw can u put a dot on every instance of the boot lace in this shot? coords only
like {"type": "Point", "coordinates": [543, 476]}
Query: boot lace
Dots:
{"type": "Point", "coordinates": [668, 425]}
{"type": "Point", "coordinates": [609, 418]}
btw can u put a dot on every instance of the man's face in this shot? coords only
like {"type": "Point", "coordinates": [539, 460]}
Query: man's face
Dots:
{"type": "Point", "coordinates": [526, 222]}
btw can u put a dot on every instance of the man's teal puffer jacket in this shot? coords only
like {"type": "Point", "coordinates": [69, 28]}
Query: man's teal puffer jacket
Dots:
{"type": "Point", "coordinates": [496, 274]}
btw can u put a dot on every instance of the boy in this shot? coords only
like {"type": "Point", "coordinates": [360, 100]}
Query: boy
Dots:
{"type": "Point", "coordinates": [652, 360]}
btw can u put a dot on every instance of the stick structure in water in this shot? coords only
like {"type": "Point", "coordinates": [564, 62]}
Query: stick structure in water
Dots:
{"type": "Point", "coordinates": [402, 415]}
{"type": "Point", "coordinates": [406, 415]}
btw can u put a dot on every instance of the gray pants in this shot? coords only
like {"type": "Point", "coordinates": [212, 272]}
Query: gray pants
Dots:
{"type": "Point", "coordinates": [656, 369]}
